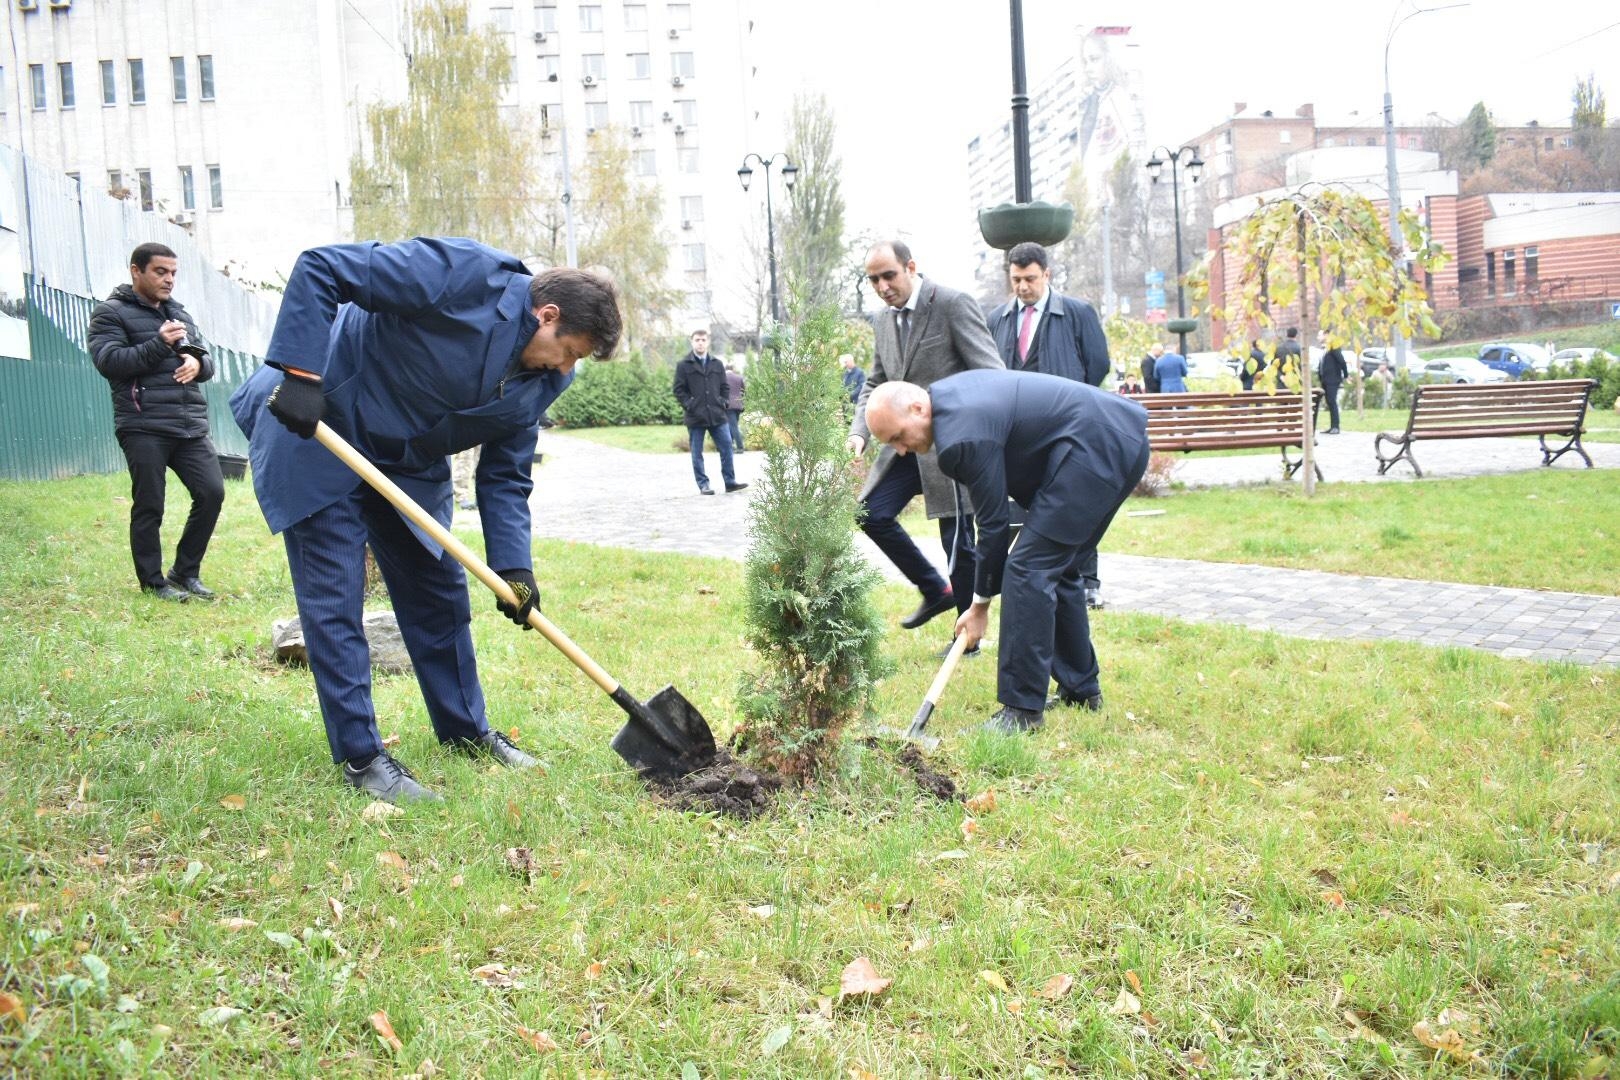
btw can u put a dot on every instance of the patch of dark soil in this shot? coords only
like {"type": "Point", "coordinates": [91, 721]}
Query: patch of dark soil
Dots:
{"type": "Point", "coordinates": [910, 760]}
{"type": "Point", "coordinates": [728, 786]}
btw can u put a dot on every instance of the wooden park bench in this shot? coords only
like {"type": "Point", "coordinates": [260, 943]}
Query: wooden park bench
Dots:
{"type": "Point", "coordinates": [1555, 407]}
{"type": "Point", "coordinates": [1241, 420]}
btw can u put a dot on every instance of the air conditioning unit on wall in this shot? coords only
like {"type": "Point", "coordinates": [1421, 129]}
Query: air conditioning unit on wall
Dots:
{"type": "Point", "coordinates": [61, 5]}
{"type": "Point", "coordinates": [27, 5]}
{"type": "Point", "coordinates": [677, 81]}
{"type": "Point", "coordinates": [589, 80]}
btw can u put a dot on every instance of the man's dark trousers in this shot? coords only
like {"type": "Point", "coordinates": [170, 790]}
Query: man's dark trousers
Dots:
{"type": "Point", "coordinates": [721, 434]}
{"type": "Point", "coordinates": [900, 484]}
{"type": "Point", "coordinates": [326, 553]}
{"type": "Point", "coordinates": [1330, 391]}
{"type": "Point", "coordinates": [1045, 631]}
{"type": "Point", "coordinates": [195, 462]}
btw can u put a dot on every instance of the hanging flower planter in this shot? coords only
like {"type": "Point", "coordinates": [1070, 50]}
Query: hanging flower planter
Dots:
{"type": "Point", "coordinates": [1014, 223]}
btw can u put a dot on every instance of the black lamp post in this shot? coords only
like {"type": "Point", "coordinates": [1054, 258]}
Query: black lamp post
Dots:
{"type": "Point", "coordinates": [1195, 169]}
{"type": "Point", "coordinates": [790, 173]}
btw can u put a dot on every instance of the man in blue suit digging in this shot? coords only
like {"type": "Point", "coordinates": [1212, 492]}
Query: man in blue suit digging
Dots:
{"type": "Point", "coordinates": [411, 352]}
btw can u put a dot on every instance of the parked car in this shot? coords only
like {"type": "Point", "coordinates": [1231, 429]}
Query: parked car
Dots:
{"type": "Point", "coordinates": [1514, 358]}
{"type": "Point", "coordinates": [1569, 357]}
{"type": "Point", "coordinates": [1457, 369]}
{"type": "Point", "coordinates": [1207, 365]}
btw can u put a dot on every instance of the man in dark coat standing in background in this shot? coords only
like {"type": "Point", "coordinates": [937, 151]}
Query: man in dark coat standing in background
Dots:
{"type": "Point", "coordinates": [702, 390]}
{"type": "Point", "coordinates": [1042, 330]}
{"type": "Point", "coordinates": [1067, 453]}
{"type": "Point", "coordinates": [1333, 373]}
{"type": "Point", "coordinates": [147, 347]}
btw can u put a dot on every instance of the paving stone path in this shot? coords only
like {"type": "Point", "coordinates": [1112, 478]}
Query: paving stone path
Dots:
{"type": "Point", "coordinates": [602, 495]}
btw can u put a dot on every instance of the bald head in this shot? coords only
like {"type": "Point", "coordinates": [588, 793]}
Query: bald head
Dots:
{"type": "Point", "coordinates": [899, 414]}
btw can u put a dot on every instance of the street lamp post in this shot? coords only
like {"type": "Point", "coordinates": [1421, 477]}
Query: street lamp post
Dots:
{"type": "Point", "coordinates": [570, 248]}
{"type": "Point", "coordinates": [1392, 173]}
{"type": "Point", "coordinates": [790, 173]}
{"type": "Point", "coordinates": [1195, 169]}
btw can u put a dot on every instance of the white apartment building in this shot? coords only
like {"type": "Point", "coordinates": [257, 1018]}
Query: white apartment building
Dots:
{"type": "Point", "coordinates": [1087, 111]}
{"type": "Point", "coordinates": [240, 120]}
{"type": "Point", "coordinates": [236, 120]}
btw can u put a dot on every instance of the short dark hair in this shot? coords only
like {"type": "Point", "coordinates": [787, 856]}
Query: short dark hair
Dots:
{"type": "Point", "coordinates": [1026, 253]}
{"type": "Point", "coordinates": [141, 256]}
{"type": "Point", "coordinates": [588, 302]}
{"type": "Point", "coordinates": [902, 253]}
{"type": "Point", "coordinates": [1293, 331]}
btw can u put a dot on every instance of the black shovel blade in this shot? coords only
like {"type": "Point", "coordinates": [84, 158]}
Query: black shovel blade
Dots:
{"type": "Point", "coordinates": [666, 738]}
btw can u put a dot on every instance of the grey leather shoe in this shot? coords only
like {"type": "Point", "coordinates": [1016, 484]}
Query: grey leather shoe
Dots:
{"type": "Point", "coordinates": [388, 780]}
{"type": "Point", "coordinates": [496, 745]}
{"type": "Point", "coordinates": [194, 586]}
{"type": "Point", "coordinates": [168, 592]}
{"type": "Point", "coordinates": [1009, 720]}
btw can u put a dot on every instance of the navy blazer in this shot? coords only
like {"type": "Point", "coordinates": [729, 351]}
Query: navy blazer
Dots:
{"type": "Point", "coordinates": [1069, 340]}
{"type": "Point", "coordinates": [419, 344]}
{"type": "Point", "coordinates": [1062, 450]}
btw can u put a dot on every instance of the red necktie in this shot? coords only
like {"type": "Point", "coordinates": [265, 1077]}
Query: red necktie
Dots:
{"type": "Point", "coordinates": [1025, 332]}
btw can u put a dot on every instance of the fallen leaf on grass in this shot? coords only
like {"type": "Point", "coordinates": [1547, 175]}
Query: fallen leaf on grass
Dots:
{"type": "Point", "coordinates": [1056, 987]}
{"type": "Point", "coordinates": [969, 827]}
{"type": "Point", "coordinates": [494, 975]}
{"type": "Point", "coordinates": [218, 1016]}
{"type": "Point", "coordinates": [379, 811]}
{"type": "Point", "coordinates": [456, 882]}
{"type": "Point", "coordinates": [983, 802]}
{"type": "Point", "coordinates": [1360, 1030]}
{"type": "Point", "coordinates": [954, 853]}
{"type": "Point", "coordinates": [234, 802]}
{"type": "Point", "coordinates": [1502, 707]}
{"type": "Point", "coordinates": [390, 741]}
{"type": "Point", "coordinates": [860, 979]}
{"type": "Point", "coordinates": [337, 908]}
{"type": "Point", "coordinates": [856, 1073]}
{"type": "Point", "coordinates": [95, 860]}
{"type": "Point", "coordinates": [1448, 1040]}
{"type": "Point", "coordinates": [380, 1024]}
{"type": "Point", "coordinates": [11, 1007]}
{"type": "Point", "coordinates": [994, 979]}
{"type": "Point", "coordinates": [1334, 899]}
{"type": "Point", "coordinates": [1196, 1058]}
{"type": "Point", "coordinates": [1127, 1004]}
{"type": "Point", "coordinates": [392, 860]}
{"type": "Point", "coordinates": [1135, 982]}
{"type": "Point", "coordinates": [763, 911]}
{"type": "Point", "coordinates": [520, 860]}
{"type": "Point", "coordinates": [542, 1042]}
{"type": "Point", "coordinates": [594, 971]}
{"type": "Point", "coordinates": [777, 1039]}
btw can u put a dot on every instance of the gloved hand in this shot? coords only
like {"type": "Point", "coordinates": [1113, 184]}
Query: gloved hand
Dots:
{"type": "Point", "coordinates": [528, 594]}
{"type": "Point", "coordinates": [298, 402]}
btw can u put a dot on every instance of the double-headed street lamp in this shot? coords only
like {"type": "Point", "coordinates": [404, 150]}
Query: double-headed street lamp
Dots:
{"type": "Point", "coordinates": [1195, 169]}
{"type": "Point", "coordinates": [790, 173]}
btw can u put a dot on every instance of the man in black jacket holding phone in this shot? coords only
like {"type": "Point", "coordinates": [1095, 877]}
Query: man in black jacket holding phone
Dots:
{"type": "Point", "coordinates": [147, 346]}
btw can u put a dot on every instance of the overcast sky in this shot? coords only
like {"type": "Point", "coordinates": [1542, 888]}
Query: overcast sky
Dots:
{"type": "Point", "coordinates": [912, 83]}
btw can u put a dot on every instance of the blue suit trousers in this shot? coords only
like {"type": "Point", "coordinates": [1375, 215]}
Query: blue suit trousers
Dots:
{"type": "Point", "coordinates": [326, 554]}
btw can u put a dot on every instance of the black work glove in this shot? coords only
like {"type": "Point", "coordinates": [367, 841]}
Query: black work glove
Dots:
{"type": "Point", "coordinates": [528, 594]}
{"type": "Point", "coordinates": [298, 402]}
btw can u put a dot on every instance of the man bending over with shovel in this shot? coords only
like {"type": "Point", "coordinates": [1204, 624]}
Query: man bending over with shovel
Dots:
{"type": "Point", "coordinates": [411, 352]}
{"type": "Point", "coordinates": [1066, 452]}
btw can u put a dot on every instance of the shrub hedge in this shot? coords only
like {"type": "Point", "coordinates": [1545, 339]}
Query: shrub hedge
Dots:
{"type": "Point", "coordinates": [609, 393]}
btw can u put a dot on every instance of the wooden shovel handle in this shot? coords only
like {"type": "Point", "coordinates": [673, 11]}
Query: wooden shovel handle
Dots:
{"type": "Point", "coordinates": [460, 552]}
{"type": "Point", "coordinates": [958, 647]}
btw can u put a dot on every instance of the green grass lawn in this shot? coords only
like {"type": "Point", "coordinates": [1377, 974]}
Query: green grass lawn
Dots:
{"type": "Point", "coordinates": [644, 439]}
{"type": "Point", "coordinates": [1266, 857]}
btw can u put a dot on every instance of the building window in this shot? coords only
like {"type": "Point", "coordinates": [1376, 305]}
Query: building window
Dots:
{"type": "Point", "coordinates": [545, 17]}
{"type": "Point", "coordinates": [594, 65]}
{"type": "Point", "coordinates": [1370, 140]}
{"type": "Point", "coordinates": [590, 16]}
{"type": "Point", "coordinates": [641, 114]}
{"type": "Point", "coordinates": [1532, 268]}
{"type": "Point", "coordinates": [137, 82]}
{"type": "Point", "coordinates": [216, 189]}
{"type": "Point", "coordinates": [640, 65]}
{"type": "Point", "coordinates": [1414, 142]}
{"type": "Point", "coordinates": [501, 19]}
{"type": "Point", "coordinates": [143, 181]}
{"type": "Point", "coordinates": [687, 158]}
{"type": "Point", "coordinates": [1568, 142]}
{"type": "Point", "coordinates": [645, 162]}
{"type": "Point", "coordinates": [205, 76]}
{"type": "Point", "coordinates": [680, 16]}
{"type": "Point", "coordinates": [550, 67]}
{"type": "Point", "coordinates": [596, 114]}
{"type": "Point", "coordinates": [1490, 273]}
{"type": "Point", "coordinates": [1508, 283]}
{"type": "Point", "coordinates": [635, 16]}
{"type": "Point", "coordinates": [188, 189]}
{"type": "Point", "coordinates": [177, 72]}
{"type": "Point", "coordinates": [686, 112]}
{"type": "Point", "coordinates": [691, 208]}
{"type": "Point", "coordinates": [64, 82]}
{"type": "Point", "coordinates": [1285, 136]}
{"type": "Point", "coordinates": [681, 65]}
{"type": "Point", "coordinates": [115, 184]}
{"type": "Point", "coordinates": [73, 176]}
{"type": "Point", "coordinates": [692, 256]}
{"type": "Point", "coordinates": [36, 83]}
{"type": "Point", "coordinates": [109, 84]}
{"type": "Point", "coordinates": [1226, 138]}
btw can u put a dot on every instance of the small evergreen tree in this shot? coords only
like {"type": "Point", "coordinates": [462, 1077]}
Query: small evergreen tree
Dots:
{"type": "Point", "coordinates": [811, 618]}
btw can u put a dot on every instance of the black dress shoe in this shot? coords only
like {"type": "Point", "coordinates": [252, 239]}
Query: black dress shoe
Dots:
{"type": "Point", "coordinates": [388, 780]}
{"type": "Point", "coordinates": [167, 591]}
{"type": "Point", "coordinates": [192, 585]}
{"type": "Point", "coordinates": [1091, 702]}
{"type": "Point", "coordinates": [1014, 721]}
{"type": "Point", "coordinates": [929, 609]}
{"type": "Point", "coordinates": [734, 487]}
{"type": "Point", "coordinates": [496, 745]}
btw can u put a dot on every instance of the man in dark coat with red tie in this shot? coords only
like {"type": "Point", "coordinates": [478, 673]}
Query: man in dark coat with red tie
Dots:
{"type": "Point", "coordinates": [1067, 453]}
{"type": "Point", "coordinates": [1042, 330]}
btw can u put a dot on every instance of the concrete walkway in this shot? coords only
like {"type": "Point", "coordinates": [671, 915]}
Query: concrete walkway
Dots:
{"type": "Point", "coordinates": [601, 495]}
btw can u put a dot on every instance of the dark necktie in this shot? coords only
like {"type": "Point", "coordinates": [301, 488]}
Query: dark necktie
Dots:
{"type": "Point", "coordinates": [903, 322]}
